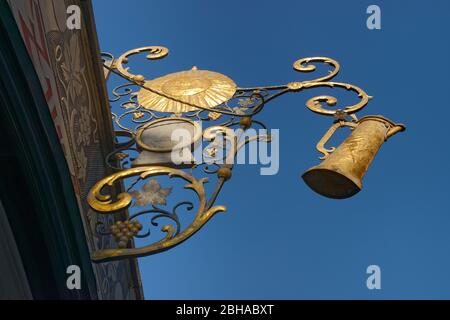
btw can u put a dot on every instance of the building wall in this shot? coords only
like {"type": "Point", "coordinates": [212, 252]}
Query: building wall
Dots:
{"type": "Point", "coordinates": [68, 65]}
{"type": "Point", "coordinates": [13, 282]}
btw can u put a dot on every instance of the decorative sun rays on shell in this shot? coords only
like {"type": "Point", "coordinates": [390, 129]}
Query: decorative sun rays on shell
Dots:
{"type": "Point", "coordinates": [191, 88]}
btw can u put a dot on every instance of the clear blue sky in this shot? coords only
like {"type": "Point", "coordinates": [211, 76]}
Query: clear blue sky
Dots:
{"type": "Point", "coordinates": [279, 240]}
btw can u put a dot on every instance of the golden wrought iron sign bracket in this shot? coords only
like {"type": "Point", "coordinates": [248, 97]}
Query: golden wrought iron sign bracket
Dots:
{"type": "Point", "coordinates": [158, 106]}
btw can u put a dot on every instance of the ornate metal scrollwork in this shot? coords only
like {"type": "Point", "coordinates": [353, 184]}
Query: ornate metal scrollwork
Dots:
{"type": "Point", "coordinates": [194, 95]}
{"type": "Point", "coordinates": [105, 204]}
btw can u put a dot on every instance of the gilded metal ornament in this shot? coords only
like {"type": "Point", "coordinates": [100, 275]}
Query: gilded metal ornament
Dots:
{"type": "Point", "coordinates": [194, 87]}
{"type": "Point", "coordinates": [151, 109]}
{"type": "Point", "coordinates": [105, 204]}
{"type": "Point", "coordinates": [339, 176]}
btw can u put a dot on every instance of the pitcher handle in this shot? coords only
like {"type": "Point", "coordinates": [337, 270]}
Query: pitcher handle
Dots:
{"type": "Point", "coordinates": [321, 144]}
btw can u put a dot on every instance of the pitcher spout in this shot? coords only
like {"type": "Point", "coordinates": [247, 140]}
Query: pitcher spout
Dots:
{"type": "Point", "coordinates": [392, 127]}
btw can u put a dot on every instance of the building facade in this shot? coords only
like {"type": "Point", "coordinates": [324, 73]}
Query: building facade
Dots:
{"type": "Point", "coordinates": [56, 118]}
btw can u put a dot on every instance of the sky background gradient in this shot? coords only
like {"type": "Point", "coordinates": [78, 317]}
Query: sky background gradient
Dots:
{"type": "Point", "coordinates": [278, 239]}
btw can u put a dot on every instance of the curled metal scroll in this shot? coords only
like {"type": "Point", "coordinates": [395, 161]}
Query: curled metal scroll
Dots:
{"type": "Point", "coordinates": [305, 65]}
{"type": "Point", "coordinates": [314, 104]}
{"type": "Point", "coordinates": [155, 52]}
{"type": "Point", "coordinates": [105, 204]}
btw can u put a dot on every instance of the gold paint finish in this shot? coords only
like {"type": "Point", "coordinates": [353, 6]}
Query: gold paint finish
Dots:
{"type": "Point", "coordinates": [181, 91]}
{"type": "Point", "coordinates": [105, 204]}
{"type": "Point", "coordinates": [246, 122]}
{"type": "Point", "coordinates": [339, 175]}
{"type": "Point", "coordinates": [155, 53]}
{"type": "Point", "coordinates": [314, 104]}
{"type": "Point", "coordinates": [305, 65]}
{"type": "Point", "coordinates": [224, 173]}
{"type": "Point", "coordinates": [192, 92]}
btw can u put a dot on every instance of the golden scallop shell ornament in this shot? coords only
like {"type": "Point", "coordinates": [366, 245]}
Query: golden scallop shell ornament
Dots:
{"type": "Point", "coordinates": [186, 91]}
